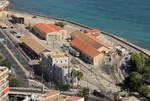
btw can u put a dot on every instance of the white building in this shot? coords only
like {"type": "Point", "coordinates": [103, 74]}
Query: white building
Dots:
{"type": "Point", "coordinates": [57, 66]}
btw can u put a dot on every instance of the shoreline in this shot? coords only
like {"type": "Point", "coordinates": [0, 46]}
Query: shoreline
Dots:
{"type": "Point", "coordinates": [84, 27]}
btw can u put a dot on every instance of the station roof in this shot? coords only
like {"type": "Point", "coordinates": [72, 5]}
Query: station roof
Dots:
{"type": "Point", "coordinates": [93, 41]}
{"type": "Point", "coordinates": [85, 47]}
{"type": "Point", "coordinates": [47, 28]}
{"type": "Point", "coordinates": [30, 42]}
{"type": "Point", "coordinates": [98, 41]}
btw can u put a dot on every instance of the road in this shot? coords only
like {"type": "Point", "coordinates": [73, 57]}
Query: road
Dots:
{"type": "Point", "coordinates": [20, 73]}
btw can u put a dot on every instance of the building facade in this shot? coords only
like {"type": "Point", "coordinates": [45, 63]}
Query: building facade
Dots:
{"type": "Point", "coordinates": [4, 84]}
{"type": "Point", "coordinates": [49, 32]}
{"type": "Point", "coordinates": [92, 50]}
{"type": "Point", "coordinates": [57, 66]}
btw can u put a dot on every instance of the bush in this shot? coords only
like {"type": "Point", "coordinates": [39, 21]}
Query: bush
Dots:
{"type": "Point", "coordinates": [60, 24]}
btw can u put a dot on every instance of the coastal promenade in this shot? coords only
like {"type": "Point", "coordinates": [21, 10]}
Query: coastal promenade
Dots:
{"type": "Point", "coordinates": [130, 46]}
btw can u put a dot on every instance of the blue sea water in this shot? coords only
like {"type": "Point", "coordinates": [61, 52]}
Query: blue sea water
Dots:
{"type": "Point", "coordinates": [129, 19]}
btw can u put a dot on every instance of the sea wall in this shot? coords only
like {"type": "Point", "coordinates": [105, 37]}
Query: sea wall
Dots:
{"type": "Point", "coordinates": [133, 46]}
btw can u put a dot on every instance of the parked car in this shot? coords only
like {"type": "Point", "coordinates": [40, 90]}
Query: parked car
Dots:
{"type": "Point", "coordinates": [13, 32]}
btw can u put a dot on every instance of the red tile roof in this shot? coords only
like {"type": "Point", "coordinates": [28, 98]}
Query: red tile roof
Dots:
{"type": "Point", "coordinates": [47, 28]}
{"type": "Point", "coordinates": [74, 98]}
{"type": "Point", "coordinates": [85, 47]}
{"type": "Point", "coordinates": [99, 41]}
{"type": "Point", "coordinates": [93, 31]}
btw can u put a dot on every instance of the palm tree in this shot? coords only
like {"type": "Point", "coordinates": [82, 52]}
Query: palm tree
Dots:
{"type": "Point", "coordinates": [43, 65]}
{"type": "Point", "coordinates": [77, 74]}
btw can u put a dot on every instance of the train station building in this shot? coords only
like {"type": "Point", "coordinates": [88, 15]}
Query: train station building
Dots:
{"type": "Point", "coordinates": [92, 50]}
{"type": "Point", "coordinates": [49, 32]}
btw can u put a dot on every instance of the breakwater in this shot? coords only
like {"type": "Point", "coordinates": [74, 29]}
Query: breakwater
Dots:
{"type": "Point", "coordinates": [84, 27]}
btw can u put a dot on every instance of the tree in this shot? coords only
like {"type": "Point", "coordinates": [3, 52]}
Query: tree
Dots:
{"type": "Point", "coordinates": [147, 61]}
{"type": "Point", "coordinates": [135, 81]}
{"type": "Point", "coordinates": [84, 92]}
{"type": "Point", "coordinates": [77, 74]}
{"type": "Point", "coordinates": [43, 65]}
{"type": "Point", "coordinates": [116, 96]}
{"type": "Point", "coordinates": [119, 52]}
{"type": "Point", "coordinates": [61, 24]}
{"type": "Point", "coordinates": [146, 77]}
{"type": "Point", "coordinates": [144, 90]}
{"type": "Point", "coordinates": [138, 62]}
{"type": "Point", "coordinates": [1, 58]}
{"type": "Point", "coordinates": [5, 63]}
{"type": "Point", "coordinates": [61, 86]}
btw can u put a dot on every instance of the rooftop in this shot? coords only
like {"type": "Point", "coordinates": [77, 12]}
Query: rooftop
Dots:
{"type": "Point", "coordinates": [85, 47]}
{"type": "Point", "coordinates": [47, 28]}
{"type": "Point", "coordinates": [73, 98]}
{"type": "Point", "coordinates": [84, 37]}
{"type": "Point", "coordinates": [90, 39]}
{"type": "Point", "coordinates": [29, 41]}
{"type": "Point", "coordinates": [98, 41]}
{"type": "Point", "coordinates": [55, 56]}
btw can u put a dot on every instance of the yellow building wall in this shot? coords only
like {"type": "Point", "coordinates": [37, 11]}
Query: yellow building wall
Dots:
{"type": "Point", "coordinates": [103, 49]}
{"type": "Point", "coordinates": [61, 35]}
{"type": "Point", "coordinates": [97, 59]}
{"type": "Point", "coordinates": [3, 13]}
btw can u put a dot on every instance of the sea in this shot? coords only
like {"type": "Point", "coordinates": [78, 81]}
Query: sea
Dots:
{"type": "Point", "coordinates": [129, 19]}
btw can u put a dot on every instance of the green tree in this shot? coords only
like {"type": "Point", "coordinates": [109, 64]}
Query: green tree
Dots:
{"type": "Point", "coordinates": [147, 61]}
{"type": "Point", "coordinates": [135, 81]}
{"type": "Point", "coordinates": [84, 92]}
{"type": "Point", "coordinates": [119, 52]}
{"type": "Point", "coordinates": [146, 77]}
{"type": "Point", "coordinates": [1, 58]}
{"type": "Point", "coordinates": [43, 65]}
{"type": "Point", "coordinates": [116, 96]}
{"type": "Point", "coordinates": [5, 63]}
{"type": "Point", "coordinates": [13, 82]}
{"type": "Point", "coordinates": [138, 62]}
{"type": "Point", "coordinates": [144, 90]}
{"type": "Point", "coordinates": [61, 24]}
{"type": "Point", "coordinates": [12, 99]}
{"type": "Point", "coordinates": [77, 74]}
{"type": "Point", "coordinates": [61, 86]}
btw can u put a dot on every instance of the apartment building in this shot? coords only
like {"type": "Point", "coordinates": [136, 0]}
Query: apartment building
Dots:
{"type": "Point", "coordinates": [4, 84]}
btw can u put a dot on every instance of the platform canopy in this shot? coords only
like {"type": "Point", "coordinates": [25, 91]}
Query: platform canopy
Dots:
{"type": "Point", "coordinates": [33, 44]}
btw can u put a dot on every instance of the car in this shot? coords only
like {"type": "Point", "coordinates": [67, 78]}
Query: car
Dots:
{"type": "Point", "coordinates": [18, 36]}
{"type": "Point", "coordinates": [13, 32]}
{"type": "Point", "coordinates": [34, 17]}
